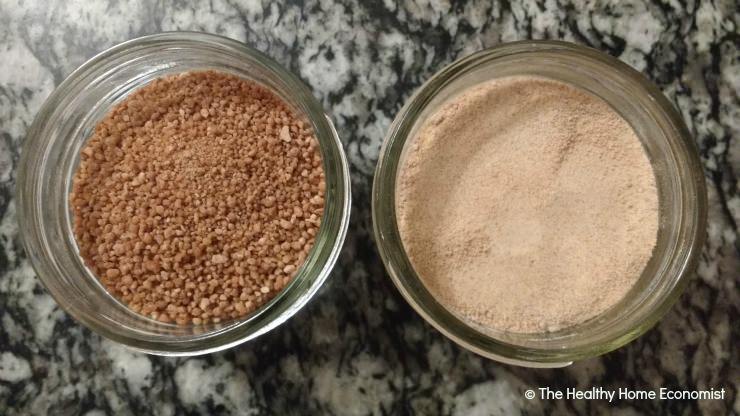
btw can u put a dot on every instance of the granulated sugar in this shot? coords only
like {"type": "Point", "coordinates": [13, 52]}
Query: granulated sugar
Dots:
{"type": "Point", "coordinates": [527, 205]}
{"type": "Point", "coordinates": [198, 197]}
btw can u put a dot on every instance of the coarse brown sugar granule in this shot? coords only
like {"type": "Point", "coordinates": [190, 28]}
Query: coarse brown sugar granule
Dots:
{"type": "Point", "coordinates": [198, 197]}
{"type": "Point", "coordinates": [527, 205]}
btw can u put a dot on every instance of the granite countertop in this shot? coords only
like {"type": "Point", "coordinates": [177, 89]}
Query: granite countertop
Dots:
{"type": "Point", "coordinates": [358, 348]}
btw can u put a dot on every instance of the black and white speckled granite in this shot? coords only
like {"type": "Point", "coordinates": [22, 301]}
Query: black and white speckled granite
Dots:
{"type": "Point", "coordinates": [358, 348]}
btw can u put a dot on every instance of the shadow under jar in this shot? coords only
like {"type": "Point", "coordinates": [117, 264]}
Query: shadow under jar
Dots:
{"type": "Point", "coordinates": [678, 175]}
{"type": "Point", "coordinates": [51, 156]}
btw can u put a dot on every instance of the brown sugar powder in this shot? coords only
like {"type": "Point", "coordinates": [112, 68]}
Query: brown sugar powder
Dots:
{"type": "Point", "coordinates": [198, 197]}
{"type": "Point", "coordinates": [527, 205]}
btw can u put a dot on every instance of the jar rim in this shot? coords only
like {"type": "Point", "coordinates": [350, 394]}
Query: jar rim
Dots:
{"type": "Point", "coordinates": [412, 288]}
{"type": "Point", "coordinates": [288, 301]}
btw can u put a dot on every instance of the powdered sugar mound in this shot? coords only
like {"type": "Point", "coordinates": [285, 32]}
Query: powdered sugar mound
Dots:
{"type": "Point", "coordinates": [527, 205]}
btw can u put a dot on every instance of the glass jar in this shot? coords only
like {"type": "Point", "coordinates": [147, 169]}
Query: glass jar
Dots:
{"type": "Point", "coordinates": [679, 179]}
{"type": "Point", "coordinates": [51, 155]}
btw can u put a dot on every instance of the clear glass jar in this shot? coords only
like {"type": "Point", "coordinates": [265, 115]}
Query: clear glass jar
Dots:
{"type": "Point", "coordinates": [679, 177]}
{"type": "Point", "coordinates": [50, 157]}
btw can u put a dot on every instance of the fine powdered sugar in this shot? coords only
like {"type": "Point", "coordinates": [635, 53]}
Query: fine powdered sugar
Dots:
{"type": "Point", "coordinates": [527, 205]}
